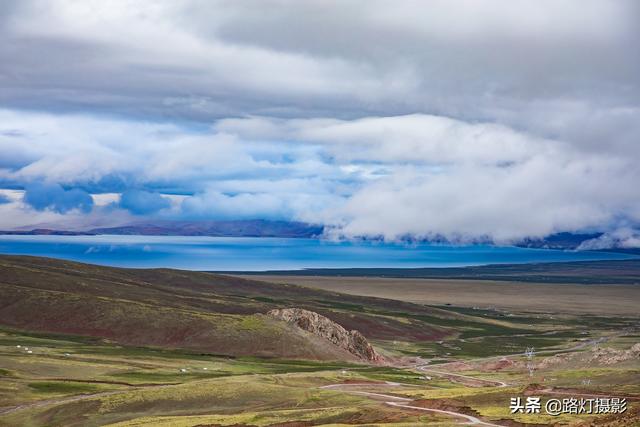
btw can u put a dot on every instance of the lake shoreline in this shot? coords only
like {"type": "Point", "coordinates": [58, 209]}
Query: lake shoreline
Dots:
{"type": "Point", "coordinates": [243, 254]}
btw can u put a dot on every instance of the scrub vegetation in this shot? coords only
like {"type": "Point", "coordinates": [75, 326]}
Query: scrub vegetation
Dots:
{"type": "Point", "coordinates": [173, 348]}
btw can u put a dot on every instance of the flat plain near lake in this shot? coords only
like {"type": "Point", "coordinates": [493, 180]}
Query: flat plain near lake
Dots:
{"type": "Point", "coordinates": [596, 299]}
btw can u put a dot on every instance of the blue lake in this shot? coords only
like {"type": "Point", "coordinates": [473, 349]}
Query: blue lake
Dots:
{"type": "Point", "coordinates": [242, 253]}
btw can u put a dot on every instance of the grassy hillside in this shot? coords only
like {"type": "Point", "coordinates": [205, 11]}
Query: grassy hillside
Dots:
{"type": "Point", "coordinates": [82, 345]}
{"type": "Point", "coordinates": [224, 315]}
{"type": "Point", "coordinates": [207, 312]}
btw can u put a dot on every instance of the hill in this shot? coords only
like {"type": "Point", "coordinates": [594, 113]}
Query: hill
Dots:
{"type": "Point", "coordinates": [201, 311]}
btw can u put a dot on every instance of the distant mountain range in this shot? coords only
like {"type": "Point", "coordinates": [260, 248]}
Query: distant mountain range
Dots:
{"type": "Point", "coordinates": [45, 232]}
{"type": "Point", "coordinates": [243, 228]}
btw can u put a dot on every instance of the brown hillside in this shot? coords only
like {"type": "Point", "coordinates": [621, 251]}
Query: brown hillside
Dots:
{"type": "Point", "coordinates": [171, 308]}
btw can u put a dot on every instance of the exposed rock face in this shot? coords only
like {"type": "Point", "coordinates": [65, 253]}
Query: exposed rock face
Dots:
{"type": "Point", "coordinates": [352, 341]}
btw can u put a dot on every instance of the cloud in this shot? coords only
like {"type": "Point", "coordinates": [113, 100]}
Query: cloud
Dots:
{"type": "Point", "coordinates": [200, 60]}
{"type": "Point", "coordinates": [620, 238]}
{"type": "Point", "coordinates": [107, 154]}
{"type": "Point", "coordinates": [460, 118]}
{"type": "Point", "coordinates": [54, 197]}
{"type": "Point", "coordinates": [290, 199]}
{"type": "Point", "coordinates": [420, 175]}
{"type": "Point", "coordinates": [441, 177]}
{"type": "Point", "coordinates": [17, 214]}
{"type": "Point", "coordinates": [534, 199]}
{"type": "Point", "coordinates": [140, 202]}
{"type": "Point", "coordinates": [241, 206]}
{"type": "Point", "coordinates": [418, 138]}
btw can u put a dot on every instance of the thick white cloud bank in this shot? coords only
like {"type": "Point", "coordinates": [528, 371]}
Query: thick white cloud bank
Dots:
{"type": "Point", "coordinates": [443, 177]}
{"type": "Point", "coordinates": [417, 175]}
{"type": "Point", "coordinates": [468, 120]}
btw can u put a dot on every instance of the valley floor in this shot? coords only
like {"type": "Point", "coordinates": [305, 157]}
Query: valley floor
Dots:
{"type": "Point", "coordinates": [596, 299]}
{"type": "Point", "coordinates": [83, 345]}
{"type": "Point", "coordinates": [73, 381]}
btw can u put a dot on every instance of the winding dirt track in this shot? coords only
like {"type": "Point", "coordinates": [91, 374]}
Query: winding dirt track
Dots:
{"type": "Point", "coordinates": [497, 383]}
{"type": "Point", "coordinates": [401, 402]}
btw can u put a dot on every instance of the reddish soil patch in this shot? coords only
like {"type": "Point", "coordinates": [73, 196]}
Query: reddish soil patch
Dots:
{"type": "Point", "coordinates": [499, 365]}
{"type": "Point", "coordinates": [458, 366]}
{"type": "Point", "coordinates": [353, 381]}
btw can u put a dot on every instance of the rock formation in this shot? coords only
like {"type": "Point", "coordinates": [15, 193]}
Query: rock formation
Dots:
{"type": "Point", "coordinates": [597, 355]}
{"type": "Point", "coordinates": [611, 356]}
{"type": "Point", "coordinates": [352, 341]}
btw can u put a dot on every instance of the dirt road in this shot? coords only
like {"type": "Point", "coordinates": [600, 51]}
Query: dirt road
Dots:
{"type": "Point", "coordinates": [402, 402]}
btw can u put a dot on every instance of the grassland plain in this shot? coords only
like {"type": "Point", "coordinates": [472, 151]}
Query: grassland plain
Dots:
{"type": "Point", "coordinates": [159, 367]}
{"type": "Point", "coordinates": [578, 272]}
{"type": "Point", "coordinates": [616, 299]}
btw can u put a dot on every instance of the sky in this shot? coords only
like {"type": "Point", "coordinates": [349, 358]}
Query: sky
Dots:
{"type": "Point", "coordinates": [459, 119]}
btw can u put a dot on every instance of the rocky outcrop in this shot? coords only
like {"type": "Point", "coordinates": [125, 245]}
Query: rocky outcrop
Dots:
{"type": "Point", "coordinates": [352, 341]}
{"type": "Point", "coordinates": [598, 355]}
{"type": "Point", "coordinates": [611, 356]}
